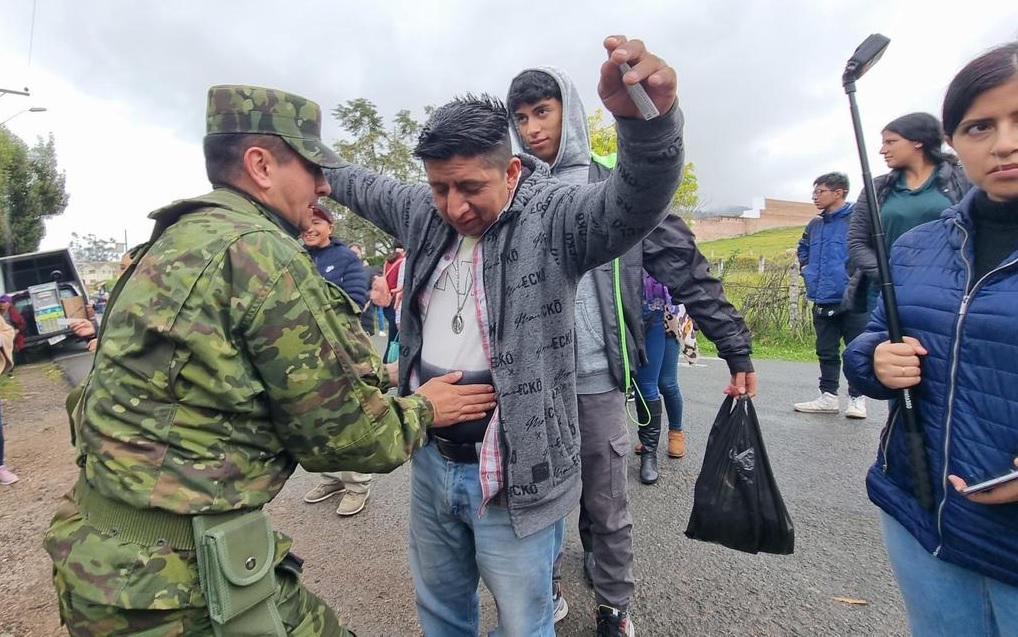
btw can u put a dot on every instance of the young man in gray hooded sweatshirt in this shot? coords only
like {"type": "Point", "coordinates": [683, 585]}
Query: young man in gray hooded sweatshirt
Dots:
{"type": "Point", "coordinates": [549, 121]}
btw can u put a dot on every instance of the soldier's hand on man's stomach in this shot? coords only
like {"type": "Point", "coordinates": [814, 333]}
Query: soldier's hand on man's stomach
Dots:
{"type": "Point", "coordinates": [457, 403]}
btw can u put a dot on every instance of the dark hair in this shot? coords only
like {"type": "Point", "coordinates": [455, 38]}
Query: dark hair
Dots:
{"type": "Point", "coordinates": [530, 87]}
{"type": "Point", "coordinates": [833, 180]}
{"type": "Point", "coordinates": [224, 154]}
{"type": "Point", "coordinates": [989, 70]}
{"type": "Point", "coordinates": [924, 129]}
{"type": "Point", "coordinates": [468, 126]}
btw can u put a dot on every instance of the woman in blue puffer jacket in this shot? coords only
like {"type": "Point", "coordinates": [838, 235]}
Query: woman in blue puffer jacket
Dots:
{"type": "Point", "coordinates": [956, 281]}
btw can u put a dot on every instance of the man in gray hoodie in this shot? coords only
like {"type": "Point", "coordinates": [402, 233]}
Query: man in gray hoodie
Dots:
{"type": "Point", "coordinates": [495, 249]}
{"type": "Point", "coordinates": [549, 121]}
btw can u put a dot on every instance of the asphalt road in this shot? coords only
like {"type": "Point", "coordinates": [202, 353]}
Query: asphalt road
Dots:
{"type": "Point", "coordinates": [684, 587]}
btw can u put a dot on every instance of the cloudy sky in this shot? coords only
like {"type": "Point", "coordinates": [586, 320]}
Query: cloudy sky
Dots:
{"type": "Point", "coordinates": [124, 81]}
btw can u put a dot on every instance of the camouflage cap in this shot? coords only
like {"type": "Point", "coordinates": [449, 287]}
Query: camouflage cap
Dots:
{"type": "Point", "coordinates": [251, 109]}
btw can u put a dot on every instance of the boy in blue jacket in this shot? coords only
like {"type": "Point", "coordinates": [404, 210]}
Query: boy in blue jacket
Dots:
{"type": "Point", "coordinates": [823, 263]}
{"type": "Point", "coordinates": [339, 265]}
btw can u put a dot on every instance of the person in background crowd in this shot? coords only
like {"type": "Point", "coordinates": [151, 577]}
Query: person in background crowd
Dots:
{"type": "Point", "coordinates": [391, 273]}
{"type": "Point", "coordinates": [359, 251]}
{"type": "Point", "coordinates": [7, 476]}
{"type": "Point", "coordinates": [658, 377]}
{"type": "Point", "coordinates": [370, 313]}
{"type": "Point", "coordinates": [823, 263]}
{"type": "Point", "coordinates": [924, 180]}
{"type": "Point", "coordinates": [88, 329]}
{"type": "Point", "coordinates": [335, 261]}
{"type": "Point", "coordinates": [13, 317]}
{"type": "Point", "coordinates": [956, 281]}
{"type": "Point", "coordinates": [339, 265]}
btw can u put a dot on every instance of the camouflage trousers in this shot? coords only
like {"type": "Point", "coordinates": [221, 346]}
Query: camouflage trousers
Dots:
{"type": "Point", "coordinates": [303, 614]}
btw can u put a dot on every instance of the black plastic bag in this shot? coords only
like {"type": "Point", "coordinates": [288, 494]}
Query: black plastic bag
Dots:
{"type": "Point", "coordinates": [736, 502]}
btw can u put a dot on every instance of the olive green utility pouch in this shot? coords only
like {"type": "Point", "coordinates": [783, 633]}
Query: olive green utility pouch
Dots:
{"type": "Point", "coordinates": [236, 569]}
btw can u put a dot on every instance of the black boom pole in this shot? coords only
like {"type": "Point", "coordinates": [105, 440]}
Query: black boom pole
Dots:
{"type": "Point", "coordinates": [865, 56]}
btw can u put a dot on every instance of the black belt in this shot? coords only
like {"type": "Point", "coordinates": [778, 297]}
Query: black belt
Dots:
{"type": "Point", "coordinates": [462, 452]}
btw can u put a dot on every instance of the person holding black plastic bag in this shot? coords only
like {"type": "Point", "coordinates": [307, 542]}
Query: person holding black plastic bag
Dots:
{"type": "Point", "coordinates": [956, 281]}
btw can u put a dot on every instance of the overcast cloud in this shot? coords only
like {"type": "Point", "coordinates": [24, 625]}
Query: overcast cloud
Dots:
{"type": "Point", "coordinates": [124, 81]}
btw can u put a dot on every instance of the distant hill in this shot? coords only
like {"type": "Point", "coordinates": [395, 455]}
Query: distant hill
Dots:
{"type": "Point", "coordinates": [721, 211]}
{"type": "Point", "coordinates": [776, 244]}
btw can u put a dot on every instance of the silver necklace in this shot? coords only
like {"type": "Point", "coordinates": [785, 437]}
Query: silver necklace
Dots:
{"type": "Point", "coordinates": [457, 319]}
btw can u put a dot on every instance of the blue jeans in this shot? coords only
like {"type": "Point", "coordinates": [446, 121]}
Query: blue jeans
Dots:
{"type": "Point", "coordinates": [660, 376]}
{"type": "Point", "coordinates": [945, 599]}
{"type": "Point", "coordinates": [451, 548]}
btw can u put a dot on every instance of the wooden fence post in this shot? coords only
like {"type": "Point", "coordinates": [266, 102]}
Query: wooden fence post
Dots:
{"type": "Point", "coordinates": [793, 294]}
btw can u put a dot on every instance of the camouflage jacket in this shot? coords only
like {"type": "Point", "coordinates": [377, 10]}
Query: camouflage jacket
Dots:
{"type": "Point", "coordinates": [226, 360]}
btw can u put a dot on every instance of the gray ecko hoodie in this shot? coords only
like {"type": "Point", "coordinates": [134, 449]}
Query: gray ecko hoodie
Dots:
{"type": "Point", "coordinates": [572, 165]}
{"type": "Point", "coordinates": [532, 257]}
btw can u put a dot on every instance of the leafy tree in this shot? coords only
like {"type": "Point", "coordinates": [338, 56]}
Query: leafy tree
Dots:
{"type": "Point", "coordinates": [604, 141]}
{"type": "Point", "coordinates": [603, 138]}
{"type": "Point", "coordinates": [90, 248]}
{"type": "Point", "coordinates": [387, 150]}
{"type": "Point", "coordinates": [31, 189]}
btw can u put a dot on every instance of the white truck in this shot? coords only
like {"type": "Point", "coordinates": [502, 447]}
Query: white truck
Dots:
{"type": "Point", "coordinates": [46, 290]}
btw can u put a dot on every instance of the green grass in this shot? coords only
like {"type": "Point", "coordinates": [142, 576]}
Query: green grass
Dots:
{"type": "Point", "coordinates": [10, 387]}
{"type": "Point", "coordinates": [768, 351]}
{"type": "Point", "coordinates": [776, 244]}
{"type": "Point", "coordinates": [741, 277]}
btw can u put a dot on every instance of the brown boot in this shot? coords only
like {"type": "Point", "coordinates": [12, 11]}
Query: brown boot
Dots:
{"type": "Point", "coordinates": [676, 444]}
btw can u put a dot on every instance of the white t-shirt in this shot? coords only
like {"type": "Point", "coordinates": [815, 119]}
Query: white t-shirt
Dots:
{"type": "Point", "coordinates": [452, 333]}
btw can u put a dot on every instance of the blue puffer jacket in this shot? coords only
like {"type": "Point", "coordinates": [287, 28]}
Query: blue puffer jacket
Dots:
{"type": "Point", "coordinates": [339, 265]}
{"type": "Point", "coordinates": [823, 256]}
{"type": "Point", "coordinates": [967, 401]}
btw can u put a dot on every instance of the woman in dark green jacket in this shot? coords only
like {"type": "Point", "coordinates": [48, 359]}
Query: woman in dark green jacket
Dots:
{"type": "Point", "coordinates": [923, 182]}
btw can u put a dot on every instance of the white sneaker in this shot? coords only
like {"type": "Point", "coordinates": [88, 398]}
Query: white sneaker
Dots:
{"type": "Point", "coordinates": [561, 607]}
{"type": "Point", "coordinates": [7, 476]}
{"type": "Point", "coordinates": [826, 404]}
{"type": "Point", "coordinates": [856, 407]}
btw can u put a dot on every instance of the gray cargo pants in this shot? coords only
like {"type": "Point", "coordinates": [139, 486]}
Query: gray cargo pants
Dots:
{"type": "Point", "coordinates": [606, 527]}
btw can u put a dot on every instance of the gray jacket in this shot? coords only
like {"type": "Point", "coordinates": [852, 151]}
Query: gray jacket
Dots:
{"type": "Point", "coordinates": [669, 254]}
{"type": "Point", "coordinates": [534, 254]}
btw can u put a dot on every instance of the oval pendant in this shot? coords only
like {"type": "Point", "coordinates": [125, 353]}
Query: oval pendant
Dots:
{"type": "Point", "coordinates": [457, 324]}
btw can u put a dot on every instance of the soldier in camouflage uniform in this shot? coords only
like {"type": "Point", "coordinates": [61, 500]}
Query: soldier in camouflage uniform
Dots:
{"type": "Point", "coordinates": [224, 360]}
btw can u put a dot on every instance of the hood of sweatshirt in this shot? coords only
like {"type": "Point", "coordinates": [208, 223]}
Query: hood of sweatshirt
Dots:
{"type": "Point", "coordinates": [572, 163]}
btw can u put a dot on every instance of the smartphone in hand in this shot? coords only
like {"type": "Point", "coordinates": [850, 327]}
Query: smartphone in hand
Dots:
{"type": "Point", "coordinates": [986, 485]}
